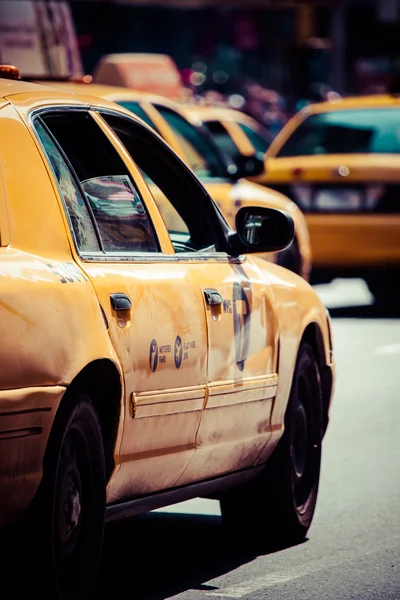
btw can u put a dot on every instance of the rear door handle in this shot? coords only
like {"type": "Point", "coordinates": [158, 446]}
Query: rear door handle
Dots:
{"type": "Point", "coordinates": [213, 298]}
{"type": "Point", "coordinates": [120, 302]}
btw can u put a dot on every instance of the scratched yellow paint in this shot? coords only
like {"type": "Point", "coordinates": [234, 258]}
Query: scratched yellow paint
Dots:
{"type": "Point", "coordinates": [209, 385]}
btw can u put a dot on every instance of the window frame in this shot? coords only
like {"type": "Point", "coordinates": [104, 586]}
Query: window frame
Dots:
{"type": "Point", "coordinates": [102, 255]}
{"type": "Point", "coordinates": [225, 232]}
{"type": "Point", "coordinates": [215, 215]}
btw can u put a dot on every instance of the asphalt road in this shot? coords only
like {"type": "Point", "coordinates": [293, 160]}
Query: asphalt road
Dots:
{"type": "Point", "coordinates": [353, 546]}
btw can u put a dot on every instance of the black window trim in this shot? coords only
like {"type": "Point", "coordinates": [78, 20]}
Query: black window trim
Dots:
{"type": "Point", "coordinates": [213, 209]}
{"type": "Point", "coordinates": [139, 257]}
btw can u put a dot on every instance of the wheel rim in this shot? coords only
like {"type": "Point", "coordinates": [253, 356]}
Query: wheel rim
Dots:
{"type": "Point", "coordinates": [69, 501]}
{"type": "Point", "coordinates": [300, 441]}
{"type": "Point", "coordinates": [305, 443]}
{"type": "Point", "coordinates": [72, 494]}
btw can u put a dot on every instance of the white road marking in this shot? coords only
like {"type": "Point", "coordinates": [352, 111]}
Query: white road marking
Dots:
{"type": "Point", "coordinates": [388, 349]}
{"type": "Point", "coordinates": [247, 587]}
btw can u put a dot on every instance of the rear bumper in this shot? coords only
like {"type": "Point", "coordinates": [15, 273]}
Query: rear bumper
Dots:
{"type": "Point", "coordinates": [362, 241]}
{"type": "Point", "coordinates": [26, 417]}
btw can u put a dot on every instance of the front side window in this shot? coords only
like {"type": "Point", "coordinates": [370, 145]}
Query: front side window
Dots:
{"type": "Point", "coordinates": [365, 131]}
{"type": "Point", "coordinates": [193, 221]}
{"type": "Point", "coordinates": [106, 190]}
{"type": "Point", "coordinates": [201, 155]}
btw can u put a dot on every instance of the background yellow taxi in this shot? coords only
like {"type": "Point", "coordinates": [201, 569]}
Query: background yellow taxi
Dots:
{"type": "Point", "coordinates": [141, 367]}
{"type": "Point", "coordinates": [224, 180]}
{"type": "Point", "coordinates": [340, 162]}
{"type": "Point", "coordinates": [233, 131]}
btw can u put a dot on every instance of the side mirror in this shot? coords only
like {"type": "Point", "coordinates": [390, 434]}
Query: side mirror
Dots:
{"type": "Point", "coordinates": [249, 166]}
{"type": "Point", "coordinates": [261, 229]}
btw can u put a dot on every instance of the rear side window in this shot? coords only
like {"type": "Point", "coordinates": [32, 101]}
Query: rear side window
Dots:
{"type": "Point", "coordinates": [346, 132]}
{"type": "Point", "coordinates": [107, 195]}
{"type": "Point", "coordinates": [78, 213]}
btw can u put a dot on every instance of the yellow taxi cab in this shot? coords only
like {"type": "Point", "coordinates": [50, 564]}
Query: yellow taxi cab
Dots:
{"type": "Point", "coordinates": [142, 367]}
{"type": "Point", "coordinates": [225, 180]}
{"type": "Point", "coordinates": [232, 130]}
{"type": "Point", "coordinates": [340, 162]}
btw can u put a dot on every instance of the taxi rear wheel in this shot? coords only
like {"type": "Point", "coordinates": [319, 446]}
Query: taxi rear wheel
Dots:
{"type": "Point", "coordinates": [278, 507]}
{"type": "Point", "coordinates": [70, 507]}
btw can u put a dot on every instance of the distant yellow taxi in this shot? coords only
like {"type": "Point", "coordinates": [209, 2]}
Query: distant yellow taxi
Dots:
{"type": "Point", "coordinates": [340, 162]}
{"type": "Point", "coordinates": [141, 366]}
{"type": "Point", "coordinates": [224, 180]}
{"type": "Point", "coordinates": [233, 131]}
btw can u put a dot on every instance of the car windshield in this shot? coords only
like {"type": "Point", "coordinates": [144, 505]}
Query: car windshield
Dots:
{"type": "Point", "coordinates": [346, 132]}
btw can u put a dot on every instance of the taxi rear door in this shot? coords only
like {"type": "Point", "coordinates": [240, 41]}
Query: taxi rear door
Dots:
{"type": "Point", "coordinates": [152, 304]}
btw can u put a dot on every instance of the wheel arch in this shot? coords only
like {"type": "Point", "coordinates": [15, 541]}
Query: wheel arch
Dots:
{"type": "Point", "coordinates": [101, 380]}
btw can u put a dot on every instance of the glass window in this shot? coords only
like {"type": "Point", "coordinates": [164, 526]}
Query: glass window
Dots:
{"type": "Point", "coordinates": [192, 219]}
{"type": "Point", "coordinates": [222, 138]}
{"type": "Point", "coordinates": [201, 155]}
{"type": "Point", "coordinates": [77, 210]}
{"type": "Point", "coordinates": [346, 132]}
{"type": "Point", "coordinates": [137, 110]}
{"type": "Point", "coordinates": [120, 215]}
{"type": "Point", "coordinates": [260, 139]}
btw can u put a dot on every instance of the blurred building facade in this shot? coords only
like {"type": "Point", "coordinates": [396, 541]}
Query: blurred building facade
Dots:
{"type": "Point", "coordinates": [291, 46]}
{"type": "Point", "coordinates": [287, 45]}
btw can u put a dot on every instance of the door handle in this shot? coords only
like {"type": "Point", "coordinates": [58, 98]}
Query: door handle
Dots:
{"type": "Point", "coordinates": [120, 302]}
{"type": "Point", "coordinates": [213, 298]}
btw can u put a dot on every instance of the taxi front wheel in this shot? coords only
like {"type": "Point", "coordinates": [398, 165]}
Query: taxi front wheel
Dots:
{"type": "Point", "coordinates": [278, 507]}
{"type": "Point", "coordinates": [70, 507]}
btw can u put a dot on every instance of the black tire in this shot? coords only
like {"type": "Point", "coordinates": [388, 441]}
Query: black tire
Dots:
{"type": "Point", "coordinates": [291, 258]}
{"type": "Point", "coordinates": [278, 506]}
{"type": "Point", "coordinates": [69, 510]}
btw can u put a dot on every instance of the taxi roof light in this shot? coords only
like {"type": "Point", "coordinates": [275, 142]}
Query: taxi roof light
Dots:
{"type": "Point", "coordinates": [9, 72]}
